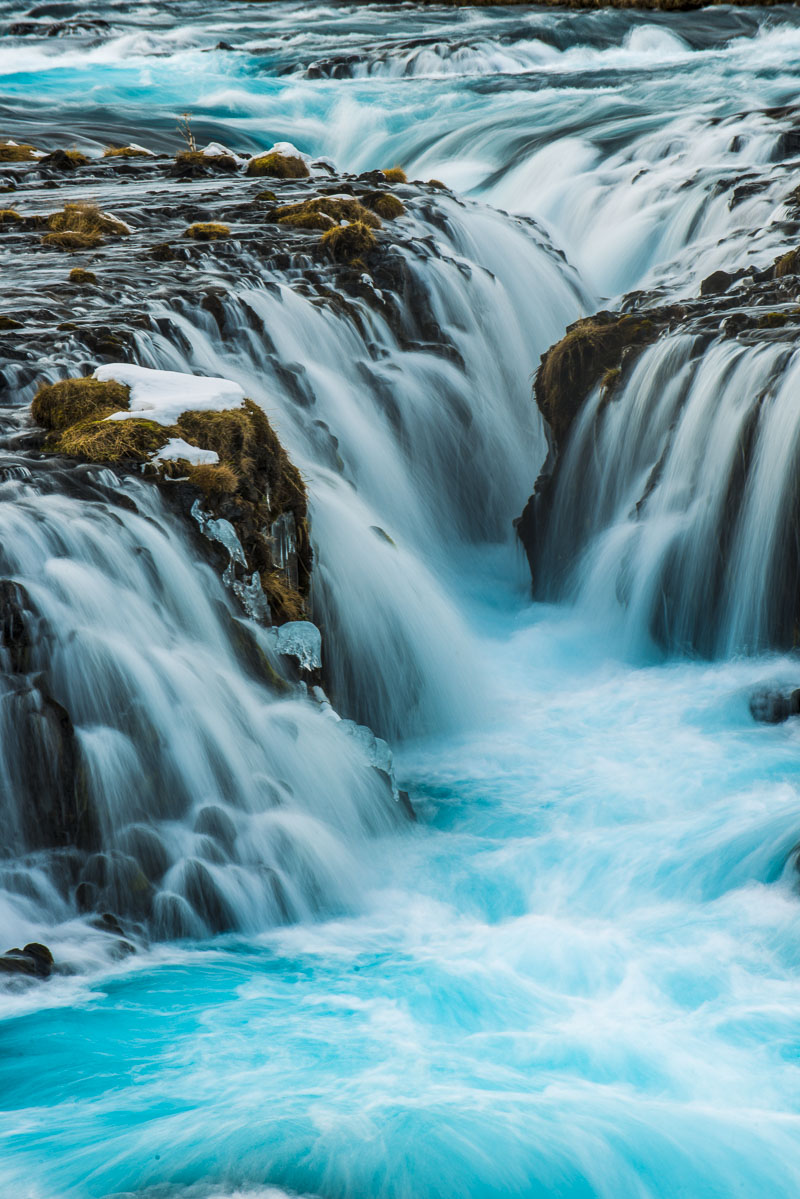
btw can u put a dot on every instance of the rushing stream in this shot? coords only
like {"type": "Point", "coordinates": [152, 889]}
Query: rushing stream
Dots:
{"type": "Point", "coordinates": [578, 974]}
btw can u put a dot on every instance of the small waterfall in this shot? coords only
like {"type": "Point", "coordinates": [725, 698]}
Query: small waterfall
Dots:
{"type": "Point", "coordinates": [409, 414]}
{"type": "Point", "coordinates": [675, 504]}
{"type": "Point", "coordinates": [182, 784]}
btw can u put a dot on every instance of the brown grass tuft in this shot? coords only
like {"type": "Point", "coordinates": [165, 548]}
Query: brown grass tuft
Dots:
{"type": "Point", "coordinates": [58, 405]}
{"type": "Point", "coordinates": [346, 242]}
{"type": "Point", "coordinates": [207, 231]}
{"type": "Point", "coordinates": [82, 277]}
{"type": "Point", "coordinates": [385, 204]}
{"type": "Point", "coordinates": [9, 153]}
{"type": "Point", "coordinates": [125, 152]}
{"type": "Point", "coordinates": [395, 175]}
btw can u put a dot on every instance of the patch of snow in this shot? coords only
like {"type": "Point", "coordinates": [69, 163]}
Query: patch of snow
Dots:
{"type": "Point", "coordinates": [213, 149]}
{"type": "Point", "coordinates": [162, 396]}
{"type": "Point", "coordinates": [176, 448]}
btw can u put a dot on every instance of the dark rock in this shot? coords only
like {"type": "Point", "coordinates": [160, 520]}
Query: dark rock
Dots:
{"type": "Point", "coordinates": [59, 160]}
{"type": "Point", "coordinates": [34, 961]}
{"type": "Point", "coordinates": [773, 705]}
{"type": "Point", "coordinates": [15, 616]}
{"type": "Point", "coordinates": [716, 283]}
{"type": "Point", "coordinates": [49, 777]}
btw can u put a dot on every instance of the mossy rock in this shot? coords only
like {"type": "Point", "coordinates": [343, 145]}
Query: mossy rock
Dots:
{"type": "Point", "coordinates": [86, 219]}
{"type": "Point", "coordinates": [281, 166]}
{"type": "Point", "coordinates": [207, 231]}
{"type": "Point", "coordinates": [253, 485]}
{"type": "Point", "coordinates": [9, 217]}
{"type": "Point", "coordinates": [125, 152]}
{"type": "Point", "coordinates": [81, 277]}
{"type": "Point", "coordinates": [266, 197]}
{"type": "Point", "coordinates": [225, 163]}
{"type": "Point", "coordinates": [70, 240]}
{"type": "Point", "coordinates": [788, 264]}
{"type": "Point", "coordinates": [347, 242]}
{"type": "Point", "coordinates": [394, 175]}
{"type": "Point", "coordinates": [162, 252]}
{"type": "Point", "coordinates": [128, 440]}
{"type": "Point", "coordinates": [437, 183]}
{"type": "Point", "coordinates": [7, 323]}
{"type": "Point", "coordinates": [325, 212]}
{"type": "Point", "coordinates": [588, 351]}
{"type": "Point", "coordinates": [772, 320]}
{"type": "Point", "coordinates": [64, 160]}
{"type": "Point", "coordinates": [56, 406]}
{"type": "Point", "coordinates": [385, 205]}
{"type": "Point", "coordinates": [10, 153]}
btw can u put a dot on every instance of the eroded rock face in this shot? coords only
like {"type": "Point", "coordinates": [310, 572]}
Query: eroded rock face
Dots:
{"type": "Point", "coordinates": [751, 306]}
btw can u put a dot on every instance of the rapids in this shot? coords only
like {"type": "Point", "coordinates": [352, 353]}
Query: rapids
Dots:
{"type": "Point", "coordinates": [579, 973]}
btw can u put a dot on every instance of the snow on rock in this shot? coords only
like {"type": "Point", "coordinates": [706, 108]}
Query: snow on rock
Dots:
{"type": "Point", "coordinates": [162, 396]}
{"type": "Point", "coordinates": [176, 448]}
{"type": "Point", "coordinates": [302, 640]}
{"type": "Point", "coordinates": [291, 151]}
{"type": "Point", "coordinates": [215, 149]}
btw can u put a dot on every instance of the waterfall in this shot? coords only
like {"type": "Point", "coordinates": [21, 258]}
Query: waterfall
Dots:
{"type": "Point", "coordinates": [410, 417]}
{"type": "Point", "coordinates": [180, 788]}
{"type": "Point", "coordinates": [675, 504]}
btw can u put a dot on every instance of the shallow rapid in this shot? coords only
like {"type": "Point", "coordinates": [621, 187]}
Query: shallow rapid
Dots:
{"type": "Point", "coordinates": [578, 973]}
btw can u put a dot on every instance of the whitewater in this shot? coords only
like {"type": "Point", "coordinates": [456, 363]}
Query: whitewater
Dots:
{"type": "Point", "coordinates": [578, 973]}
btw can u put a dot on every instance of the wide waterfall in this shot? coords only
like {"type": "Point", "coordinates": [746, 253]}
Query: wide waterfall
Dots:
{"type": "Point", "coordinates": [438, 885]}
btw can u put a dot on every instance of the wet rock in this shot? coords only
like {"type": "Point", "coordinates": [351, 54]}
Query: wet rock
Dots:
{"type": "Point", "coordinates": [34, 961]}
{"type": "Point", "coordinates": [49, 778]}
{"type": "Point", "coordinates": [15, 619]}
{"type": "Point", "coordinates": [214, 821]}
{"type": "Point", "coordinates": [716, 283]}
{"type": "Point", "coordinates": [774, 705]}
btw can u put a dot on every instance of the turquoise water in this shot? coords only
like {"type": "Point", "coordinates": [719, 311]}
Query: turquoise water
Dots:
{"type": "Point", "coordinates": [579, 974]}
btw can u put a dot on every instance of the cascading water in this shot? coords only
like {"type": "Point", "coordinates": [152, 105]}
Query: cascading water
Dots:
{"type": "Point", "coordinates": [577, 974]}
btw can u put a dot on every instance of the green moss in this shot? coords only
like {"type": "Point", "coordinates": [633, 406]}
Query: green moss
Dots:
{"type": "Point", "coordinates": [56, 406]}
{"type": "Point", "coordinates": [7, 323]}
{"type": "Point", "coordinates": [611, 378]}
{"type": "Point", "coordinates": [9, 216]}
{"type": "Point", "coordinates": [437, 183]}
{"type": "Point", "coordinates": [281, 166]}
{"type": "Point", "coordinates": [207, 231]}
{"type": "Point", "coordinates": [266, 197]}
{"type": "Point", "coordinates": [772, 320]}
{"type": "Point", "coordinates": [385, 205]}
{"type": "Point", "coordinates": [395, 175]}
{"type": "Point", "coordinates": [10, 153]}
{"type": "Point", "coordinates": [81, 277]}
{"type": "Point", "coordinates": [347, 242]}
